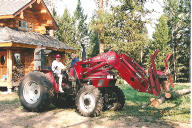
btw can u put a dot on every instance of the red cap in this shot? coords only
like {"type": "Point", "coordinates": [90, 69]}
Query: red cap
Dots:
{"type": "Point", "coordinates": [58, 56]}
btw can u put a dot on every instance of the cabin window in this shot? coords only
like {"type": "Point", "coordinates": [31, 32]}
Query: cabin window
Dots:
{"type": "Point", "coordinates": [20, 25]}
{"type": "Point", "coordinates": [2, 60]}
{"type": "Point", "coordinates": [25, 26]}
{"type": "Point", "coordinates": [17, 58]}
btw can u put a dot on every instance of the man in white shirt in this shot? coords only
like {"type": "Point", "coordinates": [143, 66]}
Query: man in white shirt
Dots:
{"type": "Point", "coordinates": [57, 66]}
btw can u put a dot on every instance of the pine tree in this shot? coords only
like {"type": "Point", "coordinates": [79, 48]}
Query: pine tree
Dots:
{"type": "Point", "coordinates": [94, 40]}
{"type": "Point", "coordinates": [125, 29]}
{"type": "Point", "coordinates": [82, 36]}
{"type": "Point", "coordinates": [179, 25]}
{"type": "Point", "coordinates": [66, 32]}
{"type": "Point", "coordinates": [161, 39]}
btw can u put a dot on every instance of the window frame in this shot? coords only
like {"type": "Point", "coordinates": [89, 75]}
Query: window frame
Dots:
{"type": "Point", "coordinates": [25, 26]}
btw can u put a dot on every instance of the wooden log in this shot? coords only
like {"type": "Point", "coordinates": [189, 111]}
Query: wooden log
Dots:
{"type": "Point", "coordinates": [38, 1]}
{"type": "Point", "coordinates": [162, 99]}
{"type": "Point", "coordinates": [9, 67]}
{"type": "Point", "coordinates": [151, 99]}
{"type": "Point", "coordinates": [21, 15]}
{"type": "Point", "coordinates": [156, 102]}
{"type": "Point", "coordinates": [18, 73]}
{"type": "Point", "coordinates": [167, 95]}
{"type": "Point", "coordinates": [183, 92]}
{"type": "Point", "coordinates": [30, 6]}
{"type": "Point", "coordinates": [43, 11]}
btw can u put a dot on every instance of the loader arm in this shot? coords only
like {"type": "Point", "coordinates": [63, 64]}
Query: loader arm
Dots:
{"type": "Point", "coordinates": [153, 77]}
{"type": "Point", "coordinates": [136, 76]}
{"type": "Point", "coordinates": [127, 68]}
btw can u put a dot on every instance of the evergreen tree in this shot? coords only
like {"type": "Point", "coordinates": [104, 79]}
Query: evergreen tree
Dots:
{"type": "Point", "coordinates": [82, 36]}
{"type": "Point", "coordinates": [94, 40]}
{"type": "Point", "coordinates": [179, 25]}
{"type": "Point", "coordinates": [66, 32]}
{"type": "Point", "coordinates": [124, 29]}
{"type": "Point", "coordinates": [161, 39]}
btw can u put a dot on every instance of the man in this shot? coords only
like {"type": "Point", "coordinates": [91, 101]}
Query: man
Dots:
{"type": "Point", "coordinates": [74, 59]}
{"type": "Point", "coordinates": [57, 66]}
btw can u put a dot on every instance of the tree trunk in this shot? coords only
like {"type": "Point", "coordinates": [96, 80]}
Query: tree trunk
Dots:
{"type": "Point", "coordinates": [83, 52]}
{"type": "Point", "coordinates": [174, 63]}
{"type": "Point", "coordinates": [101, 46]}
{"type": "Point", "coordinates": [141, 55]}
{"type": "Point", "coordinates": [101, 42]}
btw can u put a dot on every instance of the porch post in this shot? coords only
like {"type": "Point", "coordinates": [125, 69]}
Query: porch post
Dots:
{"type": "Point", "coordinates": [9, 69]}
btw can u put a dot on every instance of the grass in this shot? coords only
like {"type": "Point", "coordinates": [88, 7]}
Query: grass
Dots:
{"type": "Point", "coordinates": [180, 110]}
{"type": "Point", "coordinates": [175, 109]}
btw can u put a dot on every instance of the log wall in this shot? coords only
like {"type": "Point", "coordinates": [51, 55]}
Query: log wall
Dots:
{"type": "Point", "coordinates": [8, 22]}
{"type": "Point", "coordinates": [29, 60]}
{"type": "Point", "coordinates": [26, 64]}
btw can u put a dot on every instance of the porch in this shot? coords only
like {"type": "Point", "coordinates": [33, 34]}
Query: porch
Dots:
{"type": "Point", "coordinates": [20, 50]}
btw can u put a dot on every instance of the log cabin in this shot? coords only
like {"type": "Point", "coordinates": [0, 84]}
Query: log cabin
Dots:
{"type": "Point", "coordinates": [24, 28]}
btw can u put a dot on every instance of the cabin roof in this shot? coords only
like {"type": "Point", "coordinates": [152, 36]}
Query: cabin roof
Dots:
{"type": "Point", "coordinates": [31, 38]}
{"type": "Point", "coordinates": [10, 7]}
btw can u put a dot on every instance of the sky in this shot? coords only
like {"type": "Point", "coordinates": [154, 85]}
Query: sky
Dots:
{"type": "Point", "coordinates": [89, 7]}
{"type": "Point", "coordinates": [157, 7]}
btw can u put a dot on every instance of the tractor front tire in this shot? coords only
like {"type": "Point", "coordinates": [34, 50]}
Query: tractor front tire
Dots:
{"type": "Point", "coordinates": [35, 91]}
{"type": "Point", "coordinates": [89, 101]}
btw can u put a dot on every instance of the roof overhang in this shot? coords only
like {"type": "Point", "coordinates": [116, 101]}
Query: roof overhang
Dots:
{"type": "Point", "coordinates": [6, 16]}
{"type": "Point", "coordinates": [21, 45]}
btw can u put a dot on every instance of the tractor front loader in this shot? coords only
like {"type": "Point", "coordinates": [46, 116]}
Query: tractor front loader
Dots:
{"type": "Point", "coordinates": [93, 88]}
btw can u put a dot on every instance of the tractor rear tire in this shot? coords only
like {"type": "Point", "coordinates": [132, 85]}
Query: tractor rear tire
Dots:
{"type": "Point", "coordinates": [89, 101]}
{"type": "Point", "coordinates": [115, 93]}
{"type": "Point", "coordinates": [35, 91]}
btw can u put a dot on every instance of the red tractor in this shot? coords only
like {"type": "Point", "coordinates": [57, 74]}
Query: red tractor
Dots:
{"type": "Point", "coordinates": [93, 88]}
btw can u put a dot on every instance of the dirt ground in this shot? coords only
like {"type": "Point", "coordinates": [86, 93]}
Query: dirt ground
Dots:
{"type": "Point", "coordinates": [12, 115]}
